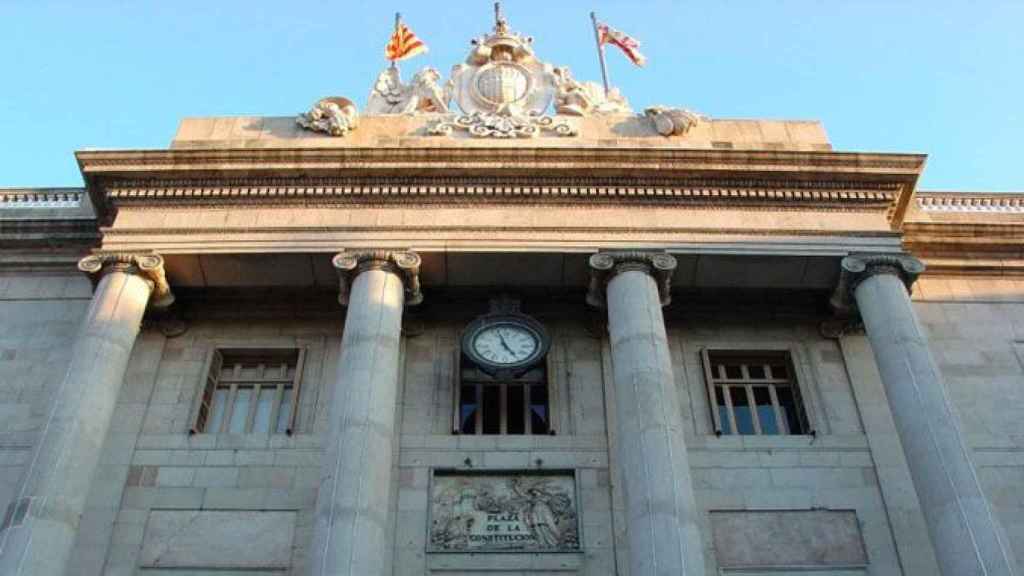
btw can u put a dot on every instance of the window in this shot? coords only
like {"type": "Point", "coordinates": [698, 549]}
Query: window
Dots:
{"type": "Point", "coordinates": [486, 405]}
{"type": "Point", "coordinates": [754, 393]}
{"type": "Point", "coordinates": [249, 391]}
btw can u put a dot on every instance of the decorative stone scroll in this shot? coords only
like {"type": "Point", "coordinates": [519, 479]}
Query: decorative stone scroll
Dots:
{"type": "Point", "coordinates": [857, 268]}
{"type": "Point", "coordinates": [335, 116]}
{"type": "Point", "coordinates": [672, 121]}
{"type": "Point", "coordinates": [606, 265]}
{"type": "Point", "coordinates": [406, 264]}
{"type": "Point", "coordinates": [489, 125]}
{"type": "Point", "coordinates": [488, 512]}
{"type": "Point", "coordinates": [148, 266]}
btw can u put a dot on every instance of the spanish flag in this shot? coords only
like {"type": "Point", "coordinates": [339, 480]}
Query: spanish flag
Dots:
{"type": "Point", "coordinates": [404, 44]}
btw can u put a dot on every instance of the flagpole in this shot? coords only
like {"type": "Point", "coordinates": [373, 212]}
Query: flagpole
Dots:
{"type": "Point", "coordinates": [398, 26]}
{"type": "Point", "coordinates": [600, 52]}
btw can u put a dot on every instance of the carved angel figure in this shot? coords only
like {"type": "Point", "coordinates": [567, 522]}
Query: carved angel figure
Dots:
{"type": "Point", "coordinates": [335, 116]}
{"type": "Point", "coordinates": [425, 95]}
{"type": "Point", "coordinates": [575, 98]}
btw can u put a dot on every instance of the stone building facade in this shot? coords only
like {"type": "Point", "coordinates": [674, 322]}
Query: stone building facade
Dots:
{"type": "Point", "coordinates": [504, 343]}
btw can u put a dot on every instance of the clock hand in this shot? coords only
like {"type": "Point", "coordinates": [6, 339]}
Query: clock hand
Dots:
{"type": "Point", "coordinates": [501, 336]}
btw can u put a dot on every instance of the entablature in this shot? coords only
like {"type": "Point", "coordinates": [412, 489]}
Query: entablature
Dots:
{"type": "Point", "coordinates": [822, 180]}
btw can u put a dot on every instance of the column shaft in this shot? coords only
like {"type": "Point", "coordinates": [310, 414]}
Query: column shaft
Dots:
{"type": "Point", "coordinates": [967, 537]}
{"type": "Point", "coordinates": [355, 484]}
{"type": "Point", "coordinates": [42, 524]}
{"type": "Point", "coordinates": [663, 536]}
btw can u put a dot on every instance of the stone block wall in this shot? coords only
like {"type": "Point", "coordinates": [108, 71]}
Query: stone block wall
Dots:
{"type": "Point", "coordinates": [576, 390]}
{"type": "Point", "coordinates": [976, 329]}
{"type": "Point", "coordinates": [833, 470]}
{"type": "Point", "coordinates": [152, 468]}
{"type": "Point", "coordinates": [39, 318]}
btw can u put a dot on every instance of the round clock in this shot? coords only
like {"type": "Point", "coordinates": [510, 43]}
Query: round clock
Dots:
{"type": "Point", "coordinates": [505, 343]}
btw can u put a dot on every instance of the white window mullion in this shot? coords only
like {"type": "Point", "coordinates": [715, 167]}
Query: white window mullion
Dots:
{"type": "Point", "coordinates": [229, 410]}
{"type": "Point", "coordinates": [729, 409]}
{"type": "Point", "coordinates": [780, 422]}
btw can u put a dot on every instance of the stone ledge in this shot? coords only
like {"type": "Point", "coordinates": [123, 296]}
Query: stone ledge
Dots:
{"type": "Point", "coordinates": [503, 562]}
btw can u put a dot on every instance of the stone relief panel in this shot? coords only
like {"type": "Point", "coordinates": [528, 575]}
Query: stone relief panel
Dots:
{"type": "Point", "coordinates": [489, 512]}
{"type": "Point", "coordinates": [787, 539]}
{"type": "Point", "coordinates": [218, 539]}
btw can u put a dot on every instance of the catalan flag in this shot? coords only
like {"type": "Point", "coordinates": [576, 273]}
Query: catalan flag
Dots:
{"type": "Point", "coordinates": [404, 44]}
{"type": "Point", "coordinates": [625, 42]}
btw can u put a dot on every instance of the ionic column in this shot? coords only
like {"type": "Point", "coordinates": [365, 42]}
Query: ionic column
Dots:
{"type": "Point", "coordinates": [967, 537]}
{"type": "Point", "coordinates": [39, 528]}
{"type": "Point", "coordinates": [660, 511]}
{"type": "Point", "coordinates": [353, 502]}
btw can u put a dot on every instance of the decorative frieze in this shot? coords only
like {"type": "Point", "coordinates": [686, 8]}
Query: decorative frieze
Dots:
{"type": "Point", "coordinates": [606, 265]}
{"type": "Point", "coordinates": [405, 264]}
{"type": "Point", "coordinates": [814, 195]}
{"type": "Point", "coordinates": [149, 266]}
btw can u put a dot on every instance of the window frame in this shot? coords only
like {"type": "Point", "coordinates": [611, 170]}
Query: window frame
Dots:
{"type": "Point", "coordinates": [502, 384]}
{"type": "Point", "coordinates": [210, 382]}
{"type": "Point", "coordinates": [801, 399]}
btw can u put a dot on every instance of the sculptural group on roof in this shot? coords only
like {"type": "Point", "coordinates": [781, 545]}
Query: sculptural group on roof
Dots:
{"type": "Point", "coordinates": [502, 90]}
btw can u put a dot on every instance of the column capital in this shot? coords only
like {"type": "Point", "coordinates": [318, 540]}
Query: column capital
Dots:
{"type": "Point", "coordinates": [859, 267]}
{"type": "Point", "coordinates": [148, 266]}
{"type": "Point", "coordinates": [404, 263]}
{"type": "Point", "coordinates": [607, 265]}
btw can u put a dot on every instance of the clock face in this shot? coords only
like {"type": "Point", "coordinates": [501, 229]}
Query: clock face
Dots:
{"type": "Point", "coordinates": [506, 344]}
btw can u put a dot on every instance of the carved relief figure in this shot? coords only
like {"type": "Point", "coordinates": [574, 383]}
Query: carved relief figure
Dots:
{"type": "Point", "coordinates": [335, 116]}
{"type": "Point", "coordinates": [575, 98]}
{"type": "Point", "coordinates": [480, 513]}
{"type": "Point", "coordinates": [425, 95]}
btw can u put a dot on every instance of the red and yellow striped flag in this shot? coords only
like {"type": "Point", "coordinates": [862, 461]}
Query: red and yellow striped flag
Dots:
{"type": "Point", "coordinates": [403, 44]}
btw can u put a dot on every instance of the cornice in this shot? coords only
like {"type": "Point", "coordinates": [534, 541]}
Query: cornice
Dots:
{"type": "Point", "coordinates": [503, 159]}
{"type": "Point", "coordinates": [590, 174]}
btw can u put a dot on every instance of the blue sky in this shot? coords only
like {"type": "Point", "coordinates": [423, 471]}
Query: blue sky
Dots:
{"type": "Point", "coordinates": [940, 77]}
